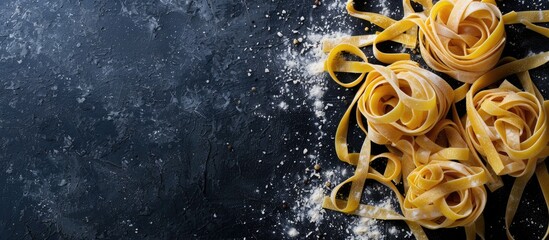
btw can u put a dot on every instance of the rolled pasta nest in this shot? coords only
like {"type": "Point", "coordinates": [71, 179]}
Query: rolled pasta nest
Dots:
{"type": "Point", "coordinates": [444, 194]}
{"type": "Point", "coordinates": [444, 155]}
{"type": "Point", "coordinates": [462, 38]}
{"type": "Point", "coordinates": [515, 123]}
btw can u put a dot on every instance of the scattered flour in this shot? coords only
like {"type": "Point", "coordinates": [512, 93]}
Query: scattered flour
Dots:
{"type": "Point", "coordinates": [316, 93]}
{"type": "Point", "coordinates": [386, 11]}
{"type": "Point", "coordinates": [293, 232]}
{"type": "Point", "coordinates": [283, 105]}
{"type": "Point", "coordinates": [301, 86]}
{"type": "Point", "coordinates": [303, 68]}
{"type": "Point", "coordinates": [372, 229]}
{"type": "Point", "coordinates": [314, 202]}
{"type": "Point", "coordinates": [310, 208]}
{"type": "Point", "coordinates": [367, 228]}
{"type": "Point", "coordinates": [336, 5]}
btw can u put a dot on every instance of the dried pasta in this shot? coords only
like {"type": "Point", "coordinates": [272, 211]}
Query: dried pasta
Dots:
{"type": "Point", "coordinates": [461, 38]}
{"type": "Point", "coordinates": [444, 159]}
{"type": "Point", "coordinates": [445, 194]}
{"type": "Point", "coordinates": [508, 126]}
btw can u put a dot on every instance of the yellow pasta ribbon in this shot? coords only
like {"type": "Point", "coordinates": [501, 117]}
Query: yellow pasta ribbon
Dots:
{"type": "Point", "coordinates": [391, 175]}
{"type": "Point", "coordinates": [527, 18]}
{"type": "Point", "coordinates": [403, 100]}
{"type": "Point", "coordinates": [461, 38]}
{"type": "Point", "coordinates": [378, 97]}
{"type": "Point", "coordinates": [509, 126]}
{"type": "Point", "coordinates": [445, 194]}
{"type": "Point", "coordinates": [494, 181]}
{"type": "Point", "coordinates": [420, 100]}
{"type": "Point", "coordinates": [441, 161]}
{"type": "Point", "coordinates": [508, 120]}
{"type": "Point", "coordinates": [408, 39]}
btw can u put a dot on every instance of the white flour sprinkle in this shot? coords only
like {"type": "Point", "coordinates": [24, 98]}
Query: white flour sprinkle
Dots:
{"type": "Point", "coordinates": [385, 8]}
{"type": "Point", "coordinates": [293, 232]}
{"type": "Point", "coordinates": [314, 203]}
{"type": "Point", "coordinates": [283, 105]}
{"type": "Point", "coordinates": [310, 209]}
{"type": "Point", "coordinates": [316, 92]}
{"type": "Point", "coordinates": [301, 86]}
{"type": "Point", "coordinates": [367, 228]}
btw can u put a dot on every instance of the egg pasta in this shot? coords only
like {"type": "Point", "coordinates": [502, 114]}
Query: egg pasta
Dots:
{"type": "Point", "coordinates": [445, 158]}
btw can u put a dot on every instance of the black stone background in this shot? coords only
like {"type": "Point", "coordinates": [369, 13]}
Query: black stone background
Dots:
{"type": "Point", "coordinates": [136, 120]}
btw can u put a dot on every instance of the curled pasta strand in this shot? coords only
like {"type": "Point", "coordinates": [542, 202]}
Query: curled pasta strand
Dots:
{"type": "Point", "coordinates": [509, 126]}
{"type": "Point", "coordinates": [399, 100]}
{"type": "Point", "coordinates": [506, 125]}
{"type": "Point", "coordinates": [441, 162]}
{"type": "Point", "coordinates": [494, 181]}
{"type": "Point", "coordinates": [357, 182]}
{"type": "Point", "coordinates": [444, 142]}
{"type": "Point", "coordinates": [352, 204]}
{"type": "Point", "coordinates": [332, 65]}
{"type": "Point", "coordinates": [408, 39]}
{"type": "Point", "coordinates": [445, 194]}
{"type": "Point", "coordinates": [527, 18]}
{"type": "Point", "coordinates": [403, 100]}
{"type": "Point", "coordinates": [461, 38]}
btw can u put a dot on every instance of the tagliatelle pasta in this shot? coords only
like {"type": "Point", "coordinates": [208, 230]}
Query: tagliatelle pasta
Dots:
{"type": "Point", "coordinates": [461, 38]}
{"type": "Point", "coordinates": [515, 123]}
{"type": "Point", "coordinates": [422, 100]}
{"type": "Point", "coordinates": [444, 142]}
{"type": "Point", "coordinates": [399, 100]}
{"type": "Point", "coordinates": [445, 194]}
{"type": "Point", "coordinates": [403, 100]}
{"type": "Point", "coordinates": [528, 18]}
{"type": "Point", "coordinates": [444, 159]}
{"type": "Point", "coordinates": [509, 127]}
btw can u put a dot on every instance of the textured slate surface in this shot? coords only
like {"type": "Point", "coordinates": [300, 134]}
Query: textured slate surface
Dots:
{"type": "Point", "coordinates": [137, 120]}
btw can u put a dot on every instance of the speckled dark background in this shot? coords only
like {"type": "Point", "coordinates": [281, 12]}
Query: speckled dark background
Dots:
{"type": "Point", "coordinates": [138, 120]}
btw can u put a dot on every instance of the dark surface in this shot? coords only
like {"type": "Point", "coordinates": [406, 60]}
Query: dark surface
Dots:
{"type": "Point", "coordinates": [157, 120]}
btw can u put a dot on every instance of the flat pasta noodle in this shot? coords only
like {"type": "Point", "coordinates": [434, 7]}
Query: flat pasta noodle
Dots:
{"type": "Point", "coordinates": [461, 38]}
{"type": "Point", "coordinates": [362, 173]}
{"type": "Point", "coordinates": [509, 127]}
{"type": "Point", "coordinates": [408, 39]}
{"type": "Point", "coordinates": [399, 100]}
{"type": "Point", "coordinates": [444, 161]}
{"type": "Point", "coordinates": [527, 18]}
{"type": "Point", "coordinates": [444, 194]}
{"type": "Point", "coordinates": [443, 142]}
{"type": "Point", "coordinates": [403, 100]}
{"type": "Point", "coordinates": [427, 99]}
{"type": "Point", "coordinates": [494, 181]}
{"type": "Point", "coordinates": [430, 151]}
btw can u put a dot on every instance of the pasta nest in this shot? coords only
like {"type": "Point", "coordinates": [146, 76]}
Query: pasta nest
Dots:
{"type": "Point", "coordinates": [516, 124]}
{"type": "Point", "coordinates": [462, 38]}
{"type": "Point", "coordinates": [444, 194]}
{"type": "Point", "coordinates": [403, 100]}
